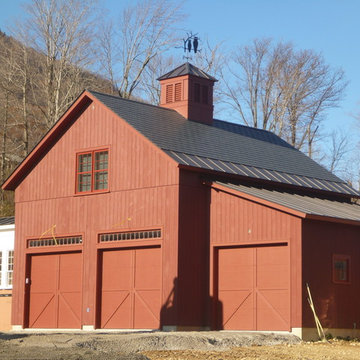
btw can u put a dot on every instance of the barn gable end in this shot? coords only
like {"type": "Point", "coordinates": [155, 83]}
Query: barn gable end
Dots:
{"type": "Point", "coordinates": [142, 179]}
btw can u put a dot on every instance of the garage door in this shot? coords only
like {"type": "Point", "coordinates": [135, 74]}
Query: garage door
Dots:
{"type": "Point", "coordinates": [55, 291]}
{"type": "Point", "coordinates": [253, 288]}
{"type": "Point", "coordinates": [131, 288]}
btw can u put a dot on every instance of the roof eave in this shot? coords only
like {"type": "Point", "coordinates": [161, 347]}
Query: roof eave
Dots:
{"type": "Point", "coordinates": [332, 219]}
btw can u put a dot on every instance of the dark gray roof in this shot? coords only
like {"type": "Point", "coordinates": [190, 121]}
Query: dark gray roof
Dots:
{"type": "Point", "coordinates": [10, 220]}
{"type": "Point", "coordinates": [187, 69]}
{"type": "Point", "coordinates": [225, 147]}
{"type": "Point", "coordinates": [305, 204]}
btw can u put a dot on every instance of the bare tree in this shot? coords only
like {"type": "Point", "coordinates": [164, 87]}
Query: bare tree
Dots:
{"type": "Point", "coordinates": [143, 32]}
{"type": "Point", "coordinates": [339, 147]}
{"type": "Point", "coordinates": [9, 102]}
{"type": "Point", "coordinates": [278, 88]}
{"type": "Point", "coordinates": [150, 86]}
{"type": "Point", "coordinates": [63, 31]}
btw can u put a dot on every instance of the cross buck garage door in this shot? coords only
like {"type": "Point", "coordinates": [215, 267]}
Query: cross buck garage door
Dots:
{"type": "Point", "coordinates": [253, 288]}
{"type": "Point", "coordinates": [55, 291]}
{"type": "Point", "coordinates": [131, 288]}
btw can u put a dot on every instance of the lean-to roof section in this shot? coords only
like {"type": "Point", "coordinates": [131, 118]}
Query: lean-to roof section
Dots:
{"type": "Point", "coordinates": [299, 205]}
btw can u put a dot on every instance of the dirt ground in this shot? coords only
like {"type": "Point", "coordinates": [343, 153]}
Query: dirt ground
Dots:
{"type": "Point", "coordinates": [174, 346]}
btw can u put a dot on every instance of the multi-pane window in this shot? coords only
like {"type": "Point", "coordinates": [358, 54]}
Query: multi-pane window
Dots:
{"type": "Point", "coordinates": [6, 269]}
{"type": "Point", "coordinates": [10, 268]}
{"type": "Point", "coordinates": [341, 269]}
{"type": "Point", "coordinates": [92, 171]}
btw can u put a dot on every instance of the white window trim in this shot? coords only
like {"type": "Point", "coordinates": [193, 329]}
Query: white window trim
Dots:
{"type": "Point", "coordinates": [4, 270]}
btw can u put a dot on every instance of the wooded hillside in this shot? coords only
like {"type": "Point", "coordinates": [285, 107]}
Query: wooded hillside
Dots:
{"type": "Point", "coordinates": [23, 110]}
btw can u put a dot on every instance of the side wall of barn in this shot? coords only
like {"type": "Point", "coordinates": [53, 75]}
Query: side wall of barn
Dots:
{"type": "Point", "coordinates": [336, 303]}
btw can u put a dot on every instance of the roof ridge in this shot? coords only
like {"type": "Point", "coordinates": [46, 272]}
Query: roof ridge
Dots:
{"type": "Point", "coordinates": [130, 100]}
{"type": "Point", "coordinates": [249, 127]}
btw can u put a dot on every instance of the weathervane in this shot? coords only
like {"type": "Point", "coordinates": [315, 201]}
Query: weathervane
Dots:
{"type": "Point", "coordinates": [191, 44]}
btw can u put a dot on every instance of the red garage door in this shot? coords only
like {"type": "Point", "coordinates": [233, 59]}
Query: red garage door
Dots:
{"type": "Point", "coordinates": [253, 288]}
{"type": "Point", "coordinates": [131, 288]}
{"type": "Point", "coordinates": [55, 291]}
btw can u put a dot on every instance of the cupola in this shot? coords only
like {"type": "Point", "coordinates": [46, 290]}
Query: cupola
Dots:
{"type": "Point", "coordinates": [189, 91]}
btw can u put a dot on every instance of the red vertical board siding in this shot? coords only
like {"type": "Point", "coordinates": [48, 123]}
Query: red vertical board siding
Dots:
{"type": "Point", "coordinates": [143, 193]}
{"type": "Point", "coordinates": [337, 305]}
{"type": "Point", "coordinates": [193, 254]}
{"type": "Point", "coordinates": [235, 220]}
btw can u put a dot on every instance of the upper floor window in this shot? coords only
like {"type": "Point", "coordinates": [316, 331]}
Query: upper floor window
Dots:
{"type": "Point", "coordinates": [92, 171]}
{"type": "Point", "coordinates": [341, 269]}
{"type": "Point", "coordinates": [6, 269]}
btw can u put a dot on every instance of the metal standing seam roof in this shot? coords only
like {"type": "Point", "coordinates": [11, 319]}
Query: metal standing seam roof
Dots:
{"type": "Point", "coordinates": [305, 204]}
{"type": "Point", "coordinates": [9, 220]}
{"type": "Point", "coordinates": [226, 147]}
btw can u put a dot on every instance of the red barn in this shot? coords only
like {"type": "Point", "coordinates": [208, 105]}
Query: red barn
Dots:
{"type": "Point", "coordinates": [133, 216]}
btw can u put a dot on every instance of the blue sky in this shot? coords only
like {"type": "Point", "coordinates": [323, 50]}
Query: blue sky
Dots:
{"type": "Point", "coordinates": [330, 27]}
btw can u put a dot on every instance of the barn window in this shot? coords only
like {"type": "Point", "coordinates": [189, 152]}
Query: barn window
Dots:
{"type": "Point", "coordinates": [341, 269]}
{"type": "Point", "coordinates": [92, 171]}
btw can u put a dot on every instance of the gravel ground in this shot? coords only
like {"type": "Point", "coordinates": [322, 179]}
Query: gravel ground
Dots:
{"type": "Point", "coordinates": [168, 345]}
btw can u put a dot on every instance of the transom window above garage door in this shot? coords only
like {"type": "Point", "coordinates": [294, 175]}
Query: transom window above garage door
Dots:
{"type": "Point", "coordinates": [92, 171]}
{"type": "Point", "coordinates": [131, 235]}
{"type": "Point", "coordinates": [55, 241]}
